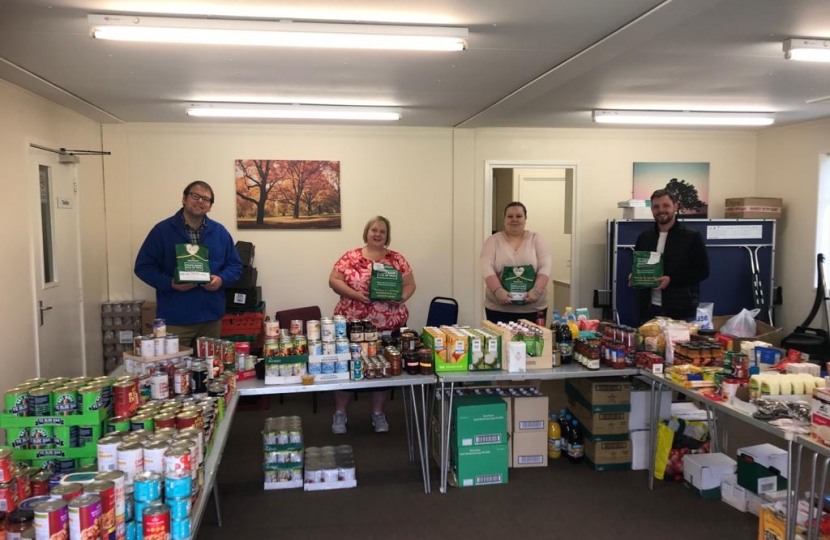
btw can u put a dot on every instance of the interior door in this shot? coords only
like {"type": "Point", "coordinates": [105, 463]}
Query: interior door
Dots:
{"type": "Point", "coordinates": [58, 293]}
{"type": "Point", "coordinates": [545, 194]}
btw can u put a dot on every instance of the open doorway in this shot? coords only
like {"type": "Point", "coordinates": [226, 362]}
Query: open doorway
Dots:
{"type": "Point", "coordinates": [548, 190]}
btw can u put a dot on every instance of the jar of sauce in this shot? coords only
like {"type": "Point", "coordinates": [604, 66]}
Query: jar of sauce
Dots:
{"type": "Point", "coordinates": [370, 331]}
{"type": "Point", "coordinates": [355, 328]}
{"type": "Point", "coordinates": [426, 363]}
{"type": "Point", "coordinates": [395, 359]}
{"type": "Point", "coordinates": [412, 363]}
{"type": "Point", "coordinates": [19, 521]}
{"type": "Point", "coordinates": [409, 342]}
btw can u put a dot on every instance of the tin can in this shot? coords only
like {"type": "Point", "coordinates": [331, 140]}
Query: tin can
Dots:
{"type": "Point", "coordinates": [180, 507]}
{"type": "Point", "coordinates": [106, 493]}
{"type": "Point", "coordinates": [155, 521]}
{"type": "Point", "coordinates": [154, 456]}
{"type": "Point", "coordinates": [340, 327]}
{"type": "Point", "coordinates": [108, 453]}
{"type": "Point", "coordinates": [329, 347]}
{"type": "Point", "coordinates": [118, 479]}
{"type": "Point", "coordinates": [141, 421]}
{"type": "Point", "coordinates": [355, 351]}
{"type": "Point", "coordinates": [126, 397]}
{"type": "Point", "coordinates": [52, 520]}
{"type": "Point", "coordinates": [199, 436]}
{"type": "Point", "coordinates": [17, 438]}
{"type": "Point", "coordinates": [178, 486]}
{"type": "Point", "coordinates": [315, 347]}
{"type": "Point", "coordinates": [341, 346]}
{"type": "Point", "coordinates": [85, 517]}
{"type": "Point", "coordinates": [40, 437]}
{"type": "Point", "coordinates": [24, 482]}
{"type": "Point", "coordinates": [327, 329]}
{"type": "Point", "coordinates": [118, 424]}
{"type": "Point", "coordinates": [67, 491]}
{"type": "Point", "coordinates": [40, 483]}
{"type": "Point", "coordinates": [296, 327]}
{"type": "Point", "coordinates": [165, 420]}
{"type": "Point", "coordinates": [315, 368]}
{"type": "Point", "coordinates": [130, 460]}
{"type": "Point", "coordinates": [8, 496]}
{"type": "Point", "coordinates": [180, 529]}
{"type": "Point", "coordinates": [341, 366]}
{"type": "Point", "coordinates": [171, 344]}
{"type": "Point", "coordinates": [88, 434]}
{"type": "Point", "coordinates": [159, 386]}
{"type": "Point", "coordinates": [271, 328]}
{"type": "Point", "coordinates": [39, 402]}
{"type": "Point", "coordinates": [90, 399]}
{"type": "Point", "coordinates": [188, 419]}
{"type": "Point", "coordinates": [130, 531]}
{"type": "Point", "coordinates": [147, 486]}
{"type": "Point", "coordinates": [177, 462]}
{"type": "Point", "coordinates": [16, 401]}
{"type": "Point", "coordinates": [159, 328]}
{"type": "Point", "coordinates": [65, 465]}
{"type": "Point", "coordinates": [198, 379]}
{"type": "Point", "coordinates": [64, 437]}
{"type": "Point", "coordinates": [312, 330]}
{"type": "Point", "coordinates": [63, 401]}
{"type": "Point", "coordinates": [190, 446]}
{"type": "Point", "coordinates": [158, 346]}
{"type": "Point", "coordinates": [271, 348]}
{"type": "Point", "coordinates": [181, 382]}
{"type": "Point", "coordinates": [356, 370]}
{"type": "Point", "coordinates": [286, 346]}
{"type": "Point", "coordinates": [300, 345]}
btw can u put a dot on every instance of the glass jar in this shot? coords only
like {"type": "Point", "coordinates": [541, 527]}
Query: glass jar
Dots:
{"type": "Point", "coordinates": [412, 363]}
{"type": "Point", "coordinates": [426, 362]}
{"type": "Point", "coordinates": [18, 521]}
{"type": "Point", "coordinates": [355, 328]}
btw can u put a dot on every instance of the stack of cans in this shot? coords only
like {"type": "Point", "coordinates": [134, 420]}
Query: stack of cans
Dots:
{"type": "Point", "coordinates": [282, 440]}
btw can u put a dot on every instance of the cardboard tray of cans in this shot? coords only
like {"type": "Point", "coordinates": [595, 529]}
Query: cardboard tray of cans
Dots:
{"type": "Point", "coordinates": [545, 361]}
{"type": "Point", "coordinates": [184, 351]}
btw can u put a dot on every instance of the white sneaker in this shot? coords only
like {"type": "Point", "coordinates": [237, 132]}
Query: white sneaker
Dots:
{"type": "Point", "coordinates": [338, 426]}
{"type": "Point", "coordinates": [380, 423]}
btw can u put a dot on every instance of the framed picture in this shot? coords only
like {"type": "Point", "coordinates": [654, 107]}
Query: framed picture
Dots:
{"type": "Point", "coordinates": [287, 194]}
{"type": "Point", "coordinates": [690, 181]}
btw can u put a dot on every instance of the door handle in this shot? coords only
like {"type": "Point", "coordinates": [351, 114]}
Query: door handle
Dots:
{"type": "Point", "coordinates": [42, 309]}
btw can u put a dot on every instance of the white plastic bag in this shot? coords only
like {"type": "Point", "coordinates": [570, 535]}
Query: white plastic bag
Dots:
{"type": "Point", "coordinates": [704, 315]}
{"type": "Point", "coordinates": [741, 325]}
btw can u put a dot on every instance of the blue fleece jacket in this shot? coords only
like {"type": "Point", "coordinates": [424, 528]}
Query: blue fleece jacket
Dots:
{"type": "Point", "coordinates": [156, 262]}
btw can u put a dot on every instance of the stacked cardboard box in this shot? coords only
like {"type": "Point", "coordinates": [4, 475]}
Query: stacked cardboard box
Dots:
{"type": "Point", "coordinates": [479, 440]}
{"type": "Point", "coordinates": [528, 427]}
{"type": "Point", "coordinates": [602, 407]}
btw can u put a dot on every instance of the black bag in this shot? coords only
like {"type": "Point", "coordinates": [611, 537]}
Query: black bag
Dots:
{"type": "Point", "coordinates": [246, 251]}
{"type": "Point", "coordinates": [813, 341]}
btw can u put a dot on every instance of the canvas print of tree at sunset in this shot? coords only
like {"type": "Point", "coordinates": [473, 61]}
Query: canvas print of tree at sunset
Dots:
{"type": "Point", "coordinates": [287, 194]}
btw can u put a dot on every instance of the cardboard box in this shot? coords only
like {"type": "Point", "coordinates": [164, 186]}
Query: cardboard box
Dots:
{"type": "Point", "coordinates": [641, 407]}
{"type": "Point", "coordinates": [530, 414]}
{"type": "Point", "coordinates": [638, 212]}
{"type": "Point", "coordinates": [762, 468]}
{"type": "Point", "coordinates": [599, 423]}
{"type": "Point", "coordinates": [763, 331]}
{"type": "Point", "coordinates": [753, 208]}
{"type": "Point", "coordinates": [530, 449]}
{"type": "Point", "coordinates": [148, 315]}
{"type": "Point", "coordinates": [640, 449]}
{"type": "Point", "coordinates": [481, 465]}
{"type": "Point", "coordinates": [703, 473]}
{"type": "Point", "coordinates": [479, 420]}
{"type": "Point", "coordinates": [733, 494]}
{"type": "Point", "coordinates": [435, 340]}
{"type": "Point", "coordinates": [605, 391]}
{"type": "Point", "coordinates": [820, 418]}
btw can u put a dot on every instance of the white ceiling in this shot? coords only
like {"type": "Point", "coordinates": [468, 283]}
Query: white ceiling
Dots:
{"type": "Point", "coordinates": [530, 63]}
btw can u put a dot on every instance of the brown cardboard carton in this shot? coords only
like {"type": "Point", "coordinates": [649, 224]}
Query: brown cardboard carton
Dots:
{"type": "Point", "coordinates": [610, 391]}
{"type": "Point", "coordinates": [608, 452]}
{"type": "Point", "coordinates": [148, 315]}
{"type": "Point", "coordinates": [753, 208]}
{"type": "Point", "coordinates": [599, 423]}
{"type": "Point", "coordinates": [763, 331]}
{"type": "Point", "coordinates": [530, 414]}
{"type": "Point", "coordinates": [530, 449]}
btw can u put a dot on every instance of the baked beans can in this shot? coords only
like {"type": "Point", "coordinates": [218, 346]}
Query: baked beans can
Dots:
{"type": "Point", "coordinates": [312, 329]}
{"type": "Point", "coordinates": [126, 397]}
{"type": "Point", "coordinates": [164, 420]}
{"type": "Point", "coordinates": [8, 496]}
{"type": "Point", "coordinates": [296, 327]}
{"type": "Point", "coordinates": [16, 401]}
{"type": "Point", "coordinates": [300, 345]}
{"type": "Point", "coordinates": [85, 517]}
{"type": "Point", "coordinates": [171, 344]}
{"type": "Point", "coordinates": [180, 507]}
{"type": "Point", "coordinates": [40, 484]}
{"type": "Point", "coordinates": [178, 486]}
{"type": "Point", "coordinates": [67, 491]}
{"type": "Point", "coordinates": [52, 520]}
{"type": "Point", "coordinates": [108, 453]}
{"type": "Point", "coordinates": [17, 438]}
{"type": "Point", "coordinates": [180, 529]}
{"type": "Point", "coordinates": [64, 401]}
{"type": "Point", "coordinates": [106, 492]}
{"type": "Point", "coordinates": [40, 437]}
{"type": "Point", "coordinates": [155, 521]}
{"type": "Point", "coordinates": [117, 424]}
{"type": "Point", "coordinates": [64, 437]}
{"type": "Point", "coordinates": [130, 460]}
{"type": "Point", "coordinates": [188, 419]}
{"type": "Point", "coordinates": [147, 486]}
{"type": "Point", "coordinates": [118, 479]}
{"type": "Point", "coordinates": [90, 399]}
{"type": "Point", "coordinates": [24, 482]}
{"type": "Point", "coordinates": [142, 421]}
{"type": "Point", "coordinates": [154, 456]}
{"type": "Point", "coordinates": [39, 402]}
{"type": "Point", "coordinates": [177, 462]}
{"type": "Point", "coordinates": [159, 328]}
{"type": "Point", "coordinates": [340, 327]}
{"type": "Point", "coordinates": [28, 505]}
{"type": "Point", "coordinates": [181, 382]}
{"type": "Point", "coordinates": [88, 434]}
{"type": "Point", "coordinates": [159, 386]}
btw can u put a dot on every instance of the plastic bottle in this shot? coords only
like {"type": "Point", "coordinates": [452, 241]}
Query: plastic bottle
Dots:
{"type": "Point", "coordinates": [564, 340]}
{"type": "Point", "coordinates": [554, 438]}
{"type": "Point", "coordinates": [576, 448]}
{"type": "Point", "coordinates": [573, 326]}
{"type": "Point", "coordinates": [554, 321]}
{"type": "Point", "coordinates": [565, 426]}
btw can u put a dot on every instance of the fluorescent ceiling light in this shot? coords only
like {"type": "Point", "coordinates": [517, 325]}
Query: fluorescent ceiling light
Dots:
{"type": "Point", "coordinates": [809, 50]}
{"type": "Point", "coordinates": [293, 112]}
{"type": "Point", "coordinates": [277, 33]}
{"type": "Point", "coordinates": [684, 118]}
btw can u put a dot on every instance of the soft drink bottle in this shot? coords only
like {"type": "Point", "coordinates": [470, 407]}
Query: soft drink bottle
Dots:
{"type": "Point", "coordinates": [576, 448]}
{"type": "Point", "coordinates": [565, 425]}
{"type": "Point", "coordinates": [554, 438]}
{"type": "Point", "coordinates": [564, 340]}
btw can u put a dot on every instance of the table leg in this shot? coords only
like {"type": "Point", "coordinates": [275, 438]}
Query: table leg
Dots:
{"type": "Point", "coordinates": [811, 500]}
{"type": "Point", "coordinates": [821, 492]}
{"type": "Point", "coordinates": [425, 439]}
{"type": "Point", "coordinates": [407, 413]}
{"type": "Point", "coordinates": [418, 434]}
{"type": "Point", "coordinates": [654, 419]}
{"type": "Point", "coordinates": [216, 500]}
{"type": "Point", "coordinates": [792, 495]}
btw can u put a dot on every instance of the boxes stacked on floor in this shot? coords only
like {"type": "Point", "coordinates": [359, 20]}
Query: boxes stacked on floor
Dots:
{"type": "Point", "coordinates": [479, 447]}
{"type": "Point", "coordinates": [527, 425]}
{"type": "Point", "coordinates": [282, 444]}
{"type": "Point", "coordinates": [602, 407]}
{"type": "Point", "coordinates": [761, 471]}
{"type": "Point", "coordinates": [244, 293]}
{"type": "Point", "coordinates": [638, 421]}
{"type": "Point", "coordinates": [329, 467]}
{"type": "Point", "coordinates": [704, 473]}
{"type": "Point", "coordinates": [120, 324]}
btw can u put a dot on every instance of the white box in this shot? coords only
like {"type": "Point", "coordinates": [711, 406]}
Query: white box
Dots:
{"type": "Point", "coordinates": [733, 494]}
{"type": "Point", "coordinates": [638, 212]}
{"type": "Point", "coordinates": [767, 455]}
{"type": "Point", "coordinates": [706, 471]}
{"type": "Point", "coordinates": [516, 357]}
{"type": "Point", "coordinates": [754, 503]}
{"type": "Point", "coordinates": [641, 408]}
{"type": "Point", "coordinates": [639, 449]}
{"type": "Point", "coordinates": [688, 410]}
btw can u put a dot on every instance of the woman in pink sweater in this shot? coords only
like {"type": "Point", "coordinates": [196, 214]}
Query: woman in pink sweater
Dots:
{"type": "Point", "coordinates": [516, 264]}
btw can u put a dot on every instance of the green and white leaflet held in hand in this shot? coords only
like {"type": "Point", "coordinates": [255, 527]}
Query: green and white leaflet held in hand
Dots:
{"type": "Point", "coordinates": [192, 264]}
{"type": "Point", "coordinates": [386, 283]}
{"type": "Point", "coordinates": [646, 267]}
{"type": "Point", "coordinates": [517, 281]}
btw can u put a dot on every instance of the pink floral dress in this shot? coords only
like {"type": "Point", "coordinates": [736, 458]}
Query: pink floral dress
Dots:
{"type": "Point", "coordinates": [357, 270]}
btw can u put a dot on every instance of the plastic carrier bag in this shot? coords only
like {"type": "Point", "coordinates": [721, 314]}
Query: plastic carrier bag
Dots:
{"type": "Point", "coordinates": [741, 325]}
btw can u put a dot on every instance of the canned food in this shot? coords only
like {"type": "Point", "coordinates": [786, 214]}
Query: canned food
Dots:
{"type": "Point", "coordinates": [40, 437]}
{"type": "Point", "coordinates": [341, 346]}
{"type": "Point", "coordinates": [8, 496]}
{"type": "Point", "coordinates": [180, 529]}
{"type": "Point", "coordinates": [178, 486]}
{"type": "Point", "coordinates": [271, 328]}
{"type": "Point", "coordinates": [188, 419]}
{"type": "Point", "coordinates": [181, 382]}
{"type": "Point", "coordinates": [67, 491]}
{"type": "Point", "coordinates": [315, 347]}
{"type": "Point", "coordinates": [180, 507]}
{"type": "Point", "coordinates": [340, 327]}
{"type": "Point", "coordinates": [300, 345]}
{"type": "Point", "coordinates": [85, 517]}
{"type": "Point", "coordinates": [171, 344]}
{"type": "Point", "coordinates": [118, 424]}
{"type": "Point", "coordinates": [198, 379]}
{"type": "Point", "coordinates": [118, 479]}
{"type": "Point", "coordinates": [147, 486]}
{"type": "Point", "coordinates": [52, 520]}
{"type": "Point", "coordinates": [296, 327]}
{"type": "Point", "coordinates": [177, 462]}
{"type": "Point", "coordinates": [39, 402]}
{"type": "Point", "coordinates": [159, 386]}
{"type": "Point", "coordinates": [130, 460]}
{"type": "Point", "coordinates": [106, 493]}
{"type": "Point", "coordinates": [159, 328]}
{"type": "Point", "coordinates": [126, 397]}
{"type": "Point", "coordinates": [355, 329]}
{"type": "Point", "coordinates": [16, 401]}
{"type": "Point", "coordinates": [155, 521]}
{"type": "Point", "coordinates": [40, 483]}
{"type": "Point", "coordinates": [312, 330]}
{"type": "Point", "coordinates": [327, 330]}
{"type": "Point", "coordinates": [141, 421]}
{"type": "Point", "coordinates": [154, 456]}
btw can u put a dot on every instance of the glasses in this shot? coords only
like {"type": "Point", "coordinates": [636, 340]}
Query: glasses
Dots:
{"type": "Point", "coordinates": [200, 198]}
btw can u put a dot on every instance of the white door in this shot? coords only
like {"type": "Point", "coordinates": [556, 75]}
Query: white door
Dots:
{"type": "Point", "coordinates": [56, 250]}
{"type": "Point", "coordinates": [545, 193]}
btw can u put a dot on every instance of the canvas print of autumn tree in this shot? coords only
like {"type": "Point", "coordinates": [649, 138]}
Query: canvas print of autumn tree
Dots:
{"type": "Point", "coordinates": [287, 194]}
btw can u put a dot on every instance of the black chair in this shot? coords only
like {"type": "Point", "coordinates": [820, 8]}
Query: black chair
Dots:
{"type": "Point", "coordinates": [305, 314]}
{"type": "Point", "coordinates": [442, 310]}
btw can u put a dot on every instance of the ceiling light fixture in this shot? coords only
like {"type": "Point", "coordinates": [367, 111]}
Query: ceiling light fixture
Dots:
{"type": "Point", "coordinates": [293, 112]}
{"type": "Point", "coordinates": [277, 33]}
{"type": "Point", "coordinates": [684, 118]}
{"type": "Point", "coordinates": [809, 50]}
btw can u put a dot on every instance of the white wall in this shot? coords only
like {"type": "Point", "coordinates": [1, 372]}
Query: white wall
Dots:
{"type": "Point", "coordinates": [403, 174]}
{"type": "Point", "coordinates": [27, 118]}
{"type": "Point", "coordinates": [604, 176]}
{"type": "Point", "coordinates": [788, 167]}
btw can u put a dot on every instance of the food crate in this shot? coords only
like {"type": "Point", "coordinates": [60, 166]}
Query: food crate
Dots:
{"type": "Point", "coordinates": [242, 324]}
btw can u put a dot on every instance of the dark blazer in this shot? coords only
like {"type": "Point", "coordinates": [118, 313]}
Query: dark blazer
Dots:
{"type": "Point", "coordinates": [686, 263]}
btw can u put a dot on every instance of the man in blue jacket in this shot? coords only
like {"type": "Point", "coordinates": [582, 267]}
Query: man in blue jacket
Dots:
{"type": "Point", "coordinates": [190, 309]}
{"type": "Point", "coordinates": [685, 263]}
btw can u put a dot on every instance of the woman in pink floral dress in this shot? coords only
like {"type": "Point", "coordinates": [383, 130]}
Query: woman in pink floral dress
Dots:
{"type": "Point", "coordinates": [350, 279]}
